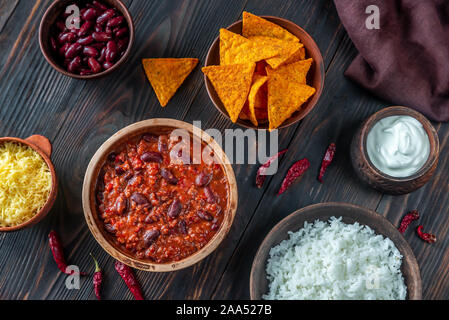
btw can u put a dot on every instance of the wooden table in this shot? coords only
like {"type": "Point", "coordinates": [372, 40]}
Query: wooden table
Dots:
{"type": "Point", "coordinates": [78, 116]}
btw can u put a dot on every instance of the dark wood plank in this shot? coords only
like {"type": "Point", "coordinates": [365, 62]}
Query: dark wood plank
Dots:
{"type": "Point", "coordinates": [6, 9]}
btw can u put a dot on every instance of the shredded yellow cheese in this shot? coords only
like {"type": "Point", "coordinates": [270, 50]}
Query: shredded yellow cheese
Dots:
{"type": "Point", "coordinates": [25, 183]}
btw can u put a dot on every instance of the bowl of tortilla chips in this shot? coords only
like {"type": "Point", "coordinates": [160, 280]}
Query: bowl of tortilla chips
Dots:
{"type": "Point", "coordinates": [264, 72]}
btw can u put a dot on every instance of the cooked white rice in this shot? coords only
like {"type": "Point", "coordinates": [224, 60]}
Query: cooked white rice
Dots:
{"type": "Point", "coordinates": [335, 261]}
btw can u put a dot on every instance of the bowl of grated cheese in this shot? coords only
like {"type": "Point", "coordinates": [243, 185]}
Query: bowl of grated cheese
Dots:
{"type": "Point", "coordinates": [28, 184]}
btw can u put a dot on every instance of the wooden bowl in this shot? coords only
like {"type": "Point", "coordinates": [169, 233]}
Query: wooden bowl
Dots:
{"type": "Point", "coordinates": [41, 145]}
{"type": "Point", "coordinates": [52, 14]}
{"type": "Point", "coordinates": [315, 77]}
{"type": "Point", "coordinates": [380, 181]}
{"type": "Point", "coordinates": [350, 214]}
{"type": "Point", "coordinates": [154, 126]}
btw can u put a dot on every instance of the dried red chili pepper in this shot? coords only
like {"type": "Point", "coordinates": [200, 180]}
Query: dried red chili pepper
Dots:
{"type": "Point", "coordinates": [98, 278]}
{"type": "Point", "coordinates": [327, 159]}
{"type": "Point", "coordinates": [295, 171]}
{"type": "Point", "coordinates": [260, 178]}
{"type": "Point", "coordinates": [408, 218]}
{"type": "Point", "coordinates": [427, 237]}
{"type": "Point", "coordinates": [58, 254]}
{"type": "Point", "coordinates": [127, 274]}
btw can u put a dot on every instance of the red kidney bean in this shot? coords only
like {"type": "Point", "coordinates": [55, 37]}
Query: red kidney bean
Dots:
{"type": "Point", "coordinates": [203, 179]}
{"type": "Point", "coordinates": [111, 51]}
{"type": "Point", "coordinates": [121, 32]}
{"type": "Point", "coordinates": [86, 26]}
{"type": "Point", "coordinates": [168, 176]}
{"type": "Point", "coordinates": [104, 17]}
{"type": "Point", "coordinates": [108, 30]}
{"type": "Point", "coordinates": [94, 65]}
{"type": "Point", "coordinates": [119, 170]}
{"type": "Point", "coordinates": [53, 44]}
{"type": "Point", "coordinates": [90, 14]}
{"type": "Point", "coordinates": [109, 228]}
{"type": "Point", "coordinates": [85, 72]}
{"type": "Point", "coordinates": [74, 64]}
{"type": "Point", "coordinates": [175, 209]}
{"type": "Point", "coordinates": [98, 45]}
{"type": "Point", "coordinates": [209, 195]}
{"type": "Point", "coordinates": [111, 157]}
{"type": "Point", "coordinates": [204, 215]}
{"type": "Point", "coordinates": [64, 48]}
{"type": "Point", "coordinates": [67, 37]}
{"type": "Point", "coordinates": [182, 227]}
{"type": "Point", "coordinates": [98, 28]}
{"type": "Point", "coordinates": [214, 226]}
{"type": "Point", "coordinates": [102, 57]}
{"type": "Point", "coordinates": [151, 156]}
{"type": "Point", "coordinates": [122, 44]}
{"type": "Point", "coordinates": [90, 51]}
{"type": "Point", "coordinates": [151, 236]}
{"type": "Point", "coordinates": [148, 137]}
{"type": "Point", "coordinates": [101, 36]}
{"type": "Point", "coordinates": [114, 22]}
{"type": "Point", "coordinates": [73, 50]}
{"type": "Point", "coordinates": [86, 40]}
{"type": "Point", "coordinates": [100, 6]}
{"type": "Point", "coordinates": [107, 65]}
{"type": "Point", "coordinates": [139, 198]}
{"type": "Point", "coordinates": [121, 204]}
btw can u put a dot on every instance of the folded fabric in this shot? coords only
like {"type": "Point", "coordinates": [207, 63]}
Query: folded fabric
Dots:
{"type": "Point", "coordinates": [406, 60]}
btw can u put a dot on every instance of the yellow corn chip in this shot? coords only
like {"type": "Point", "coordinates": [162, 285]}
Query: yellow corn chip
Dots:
{"type": "Point", "coordinates": [294, 72]}
{"type": "Point", "coordinates": [285, 96]}
{"type": "Point", "coordinates": [232, 84]}
{"type": "Point", "coordinates": [167, 74]}
{"type": "Point", "coordinates": [255, 98]}
{"type": "Point", "coordinates": [294, 54]}
{"type": "Point", "coordinates": [235, 49]}
{"type": "Point", "coordinates": [256, 26]}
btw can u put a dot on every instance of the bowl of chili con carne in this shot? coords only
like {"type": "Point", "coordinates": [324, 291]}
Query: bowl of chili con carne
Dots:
{"type": "Point", "coordinates": [159, 195]}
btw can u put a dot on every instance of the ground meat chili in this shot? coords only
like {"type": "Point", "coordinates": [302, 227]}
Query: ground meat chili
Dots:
{"type": "Point", "coordinates": [158, 209]}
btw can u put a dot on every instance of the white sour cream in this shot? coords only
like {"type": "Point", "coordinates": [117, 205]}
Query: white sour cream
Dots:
{"type": "Point", "coordinates": [398, 146]}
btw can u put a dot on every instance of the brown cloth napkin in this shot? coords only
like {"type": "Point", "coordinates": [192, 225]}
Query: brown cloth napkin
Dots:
{"type": "Point", "coordinates": [406, 61]}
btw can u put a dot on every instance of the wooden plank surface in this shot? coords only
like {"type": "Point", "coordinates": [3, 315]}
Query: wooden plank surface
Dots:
{"type": "Point", "coordinates": [79, 116]}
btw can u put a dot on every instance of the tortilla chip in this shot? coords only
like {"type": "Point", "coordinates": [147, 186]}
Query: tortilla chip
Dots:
{"type": "Point", "coordinates": [255, 96]}
{"type": "Point", "coordinates": [256, 26]}
{"type": "Point", "coordinates": [167, 74]}
{"type": "Point", "coordinates": [235, 49]}
{"type": "Point", "coordinates": [294, 53]}
{"type": "Point", "coordinates": [297, 56]}
{"type": "Point", "coordinates": [232, 84]}
{"type": "Point", "coordinates": [296, 72]}
{"type": "Point", "coordinates": [284, 96]}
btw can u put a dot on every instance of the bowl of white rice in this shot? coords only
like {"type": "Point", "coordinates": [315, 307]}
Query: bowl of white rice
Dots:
{"type": "Point", "coordinates": [335, 251]}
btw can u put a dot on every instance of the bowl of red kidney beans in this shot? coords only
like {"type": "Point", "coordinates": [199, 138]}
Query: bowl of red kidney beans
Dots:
{"type": "Point", "coordinates": [86, 39]}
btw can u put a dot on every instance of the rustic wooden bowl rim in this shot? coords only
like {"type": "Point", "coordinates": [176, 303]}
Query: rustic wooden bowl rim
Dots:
{"type": "Point", "coordinates": [90, 180]}
{"type": "Point", "coordinates": [39, 144]}
{"type": "Point", "coordinates": [49, 56]}
{"type": "Point", "coordinates": [297, 116]}
{"type": "Point", "coordinates": [408, 259]}
{"type": "Point", "coordinates": [393, 111]}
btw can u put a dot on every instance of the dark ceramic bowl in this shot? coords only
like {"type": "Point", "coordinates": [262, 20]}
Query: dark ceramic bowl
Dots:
{"type": "Point", "coordinates": [350, 214]}
{"type": "Point", "coordinates": [52, 14]}
{"type": "Point", "coordinates": [315, 77]}
{"type": "Point", "coordinates": [380, 181]}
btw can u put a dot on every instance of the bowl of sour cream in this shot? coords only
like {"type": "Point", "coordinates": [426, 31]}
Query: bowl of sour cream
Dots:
{"type": "Point", "coordinates": [395, 150]}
